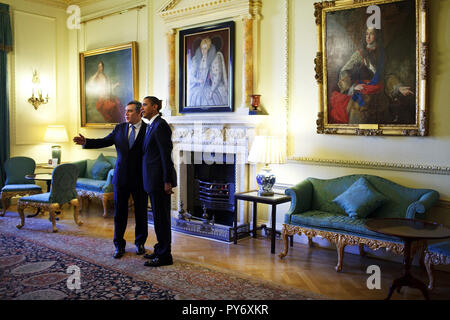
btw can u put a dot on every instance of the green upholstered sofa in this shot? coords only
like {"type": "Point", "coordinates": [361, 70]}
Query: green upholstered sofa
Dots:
{"type": "Point", "coordinates": [95, 180]}
{"type": "Point", "coordinates": [314, 213]}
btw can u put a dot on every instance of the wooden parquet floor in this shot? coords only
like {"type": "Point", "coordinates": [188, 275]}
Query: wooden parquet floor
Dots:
{"type": "Point", "coordinates": [306, 268]}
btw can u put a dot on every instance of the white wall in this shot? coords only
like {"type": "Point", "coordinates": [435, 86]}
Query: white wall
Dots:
{"type": "Point", "coordinates": [40, 42]}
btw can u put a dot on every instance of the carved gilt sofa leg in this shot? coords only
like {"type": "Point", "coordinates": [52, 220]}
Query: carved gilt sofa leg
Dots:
{"type": "Point", "coordinates": [52, 211]}
{"type": "Point", "coordinates": [285, 237]}
{"type": "Point", "coordinates": [340, 249]}
{"type": "Point", "coordinates": [80, 204]}
{"type": "Point", "coordinates": [20, 209]}
{"type": "Point", "coordinates": [5, 201]}
{"type": "Point", "coordinates": [105, 206]}
{"type": "Point", "coordinates": [76, 209]}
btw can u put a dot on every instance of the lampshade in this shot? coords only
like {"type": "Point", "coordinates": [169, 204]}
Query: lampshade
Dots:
{"type": "Point", "coordinates": [267, 149]}
{"type": "Point", "coordinates": [56, 133]}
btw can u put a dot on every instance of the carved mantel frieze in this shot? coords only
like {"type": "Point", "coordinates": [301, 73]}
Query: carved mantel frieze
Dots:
{"type": "Point", "coordinates": [232, 130]}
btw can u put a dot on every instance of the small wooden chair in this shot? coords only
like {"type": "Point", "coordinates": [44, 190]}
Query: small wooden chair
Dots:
{"type": "Point", "coordinates": [62, 191]}
{"type": "Point", "coordinates": [437, 253]}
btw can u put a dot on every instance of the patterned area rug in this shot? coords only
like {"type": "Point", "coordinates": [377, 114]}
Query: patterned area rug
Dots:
{"type": "Point", "coordinates": [34, 265]}
{"type": "Point", "coordinates": [33, 272]}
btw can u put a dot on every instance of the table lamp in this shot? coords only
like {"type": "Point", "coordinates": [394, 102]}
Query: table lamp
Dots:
{"type": "Point", "coordinates": [267, 149]}
{"type": "Point", "coordinates": [56, 133]}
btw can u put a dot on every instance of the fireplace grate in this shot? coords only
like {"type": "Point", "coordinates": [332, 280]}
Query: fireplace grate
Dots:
{"type": "Point", "coordinates": [215, 195]}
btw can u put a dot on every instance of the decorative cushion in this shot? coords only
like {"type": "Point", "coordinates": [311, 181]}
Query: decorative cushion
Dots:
{"type": "Point", "coordinates": [360, 199]}
{"type": "Point", "coordinates": [100, 168]}
{"type": "Point", "coordinates": [21, 187]}
{"type": "Point", "coordinates": [89, 165]}
{"type": "Point", "coordinates": [41, 197]}
{"type": "Point", "coordinates": [112, 160]}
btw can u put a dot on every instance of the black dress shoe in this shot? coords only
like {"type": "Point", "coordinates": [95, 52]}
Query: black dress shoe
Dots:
{"type": "Point", "coordinates": [150, 256]}
{"type": "Point", "coordinates": [140, 249]}
{"type": "Point", "coordinates": [158, 262]}
{"type": "Point", "coordinates": [119, 253]}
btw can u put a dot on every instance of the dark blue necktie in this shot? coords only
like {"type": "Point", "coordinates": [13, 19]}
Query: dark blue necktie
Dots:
{"type": "Point", "coordinates": [131, 137]}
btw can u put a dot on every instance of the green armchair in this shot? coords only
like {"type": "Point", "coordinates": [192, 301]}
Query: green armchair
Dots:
{"type": "Point", "coordinates": [62, 191]}
{"type": "Point", "coordinates": [16, 185]}
{"type": "Point", "coordinates": [95, 181]}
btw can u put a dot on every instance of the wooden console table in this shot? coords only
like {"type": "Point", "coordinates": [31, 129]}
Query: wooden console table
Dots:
{"type": "Point", "coordinates": [253, 196]}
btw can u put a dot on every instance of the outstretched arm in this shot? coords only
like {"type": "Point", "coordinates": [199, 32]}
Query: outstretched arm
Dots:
{"type": "Point", "coordinates": [96, 143]}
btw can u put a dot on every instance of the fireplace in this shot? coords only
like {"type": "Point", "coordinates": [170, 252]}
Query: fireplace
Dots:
{"type": "Point", "coordinates": [210, 184]}
{"type": "Point", "coordinates": [210, 189]}
{"type": "Point", "coordinates": [210, 156]}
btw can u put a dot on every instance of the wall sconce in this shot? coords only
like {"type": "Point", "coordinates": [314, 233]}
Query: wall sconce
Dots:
{"type": "Point", "coordinates": [37, 100]}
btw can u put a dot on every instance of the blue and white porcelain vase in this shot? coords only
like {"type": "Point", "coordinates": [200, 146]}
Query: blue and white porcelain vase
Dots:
{"type": "Point", "coordinates": [265, 180]}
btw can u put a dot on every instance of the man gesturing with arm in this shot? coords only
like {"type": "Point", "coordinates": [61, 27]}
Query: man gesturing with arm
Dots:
{"type": "Point", "coordinates": [127, 137]}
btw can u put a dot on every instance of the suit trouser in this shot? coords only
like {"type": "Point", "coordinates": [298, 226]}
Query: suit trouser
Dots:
{"type": "Point", "coordinates": [121, 196]}
{"type": "Point", "coordinates": [160, 202]}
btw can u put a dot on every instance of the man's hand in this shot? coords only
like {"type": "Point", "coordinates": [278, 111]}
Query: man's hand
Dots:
{"type": "Point", "coordinates": [168, 188]}
{"type": "Point", "coordinates": [80, 140]}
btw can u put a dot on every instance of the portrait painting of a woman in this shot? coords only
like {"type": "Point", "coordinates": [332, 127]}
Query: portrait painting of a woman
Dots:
{"type": "Point", "coordinates": [207, 76]}
{"type": "Point", "coordinates": [109, 78]}
{"type": "Point", "coordinates": [206, 70]}
{"type": "Point", "coordinates": [100, 90]}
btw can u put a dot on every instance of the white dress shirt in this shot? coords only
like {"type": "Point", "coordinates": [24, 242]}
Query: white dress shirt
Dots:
{"type": "Point", "coordinates": [137, 127]}
{"type": "Point", "coordinates": [151, 120]}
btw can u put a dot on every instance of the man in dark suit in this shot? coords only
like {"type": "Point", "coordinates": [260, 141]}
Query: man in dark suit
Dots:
{"type": "Point", "coordinates": [159, 179]}
{"type": "Point", "coordinates": [128, 138]}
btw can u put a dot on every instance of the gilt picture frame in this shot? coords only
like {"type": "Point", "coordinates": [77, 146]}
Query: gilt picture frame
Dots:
{"type": "Point", "coordinates": [206, 68]}
{"type": "Point", "coordinates": [371, 67]}
{"type": "Point", "coordinates": [108, 81]}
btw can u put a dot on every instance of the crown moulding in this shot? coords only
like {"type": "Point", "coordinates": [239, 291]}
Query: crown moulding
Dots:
{"type": "Point", "coordinates": [204, 11]}
{"type": "Point", "coordinates": [63, 4]}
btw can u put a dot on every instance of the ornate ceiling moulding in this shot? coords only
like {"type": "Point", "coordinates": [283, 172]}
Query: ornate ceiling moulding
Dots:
{"type": "Point", "coordinates": [176, 15]}
{"type": "Point", "coordinates": [63, 4]}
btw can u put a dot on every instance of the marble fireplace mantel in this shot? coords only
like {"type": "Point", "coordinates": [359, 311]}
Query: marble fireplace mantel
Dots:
{"type": "Point", "coordinates": [213, 133]}
{"type": "Point", "coordinates": [195, 132]}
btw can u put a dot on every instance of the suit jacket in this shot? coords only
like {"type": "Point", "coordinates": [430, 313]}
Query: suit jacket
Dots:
{"type": "Point", "coordinates": [128, 170]}
{"type": "Point", "coordinates": [157, 164]}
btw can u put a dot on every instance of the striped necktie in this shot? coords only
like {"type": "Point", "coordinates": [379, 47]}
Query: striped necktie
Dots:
{"type": "Point", "coordinates": [131, 137]}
